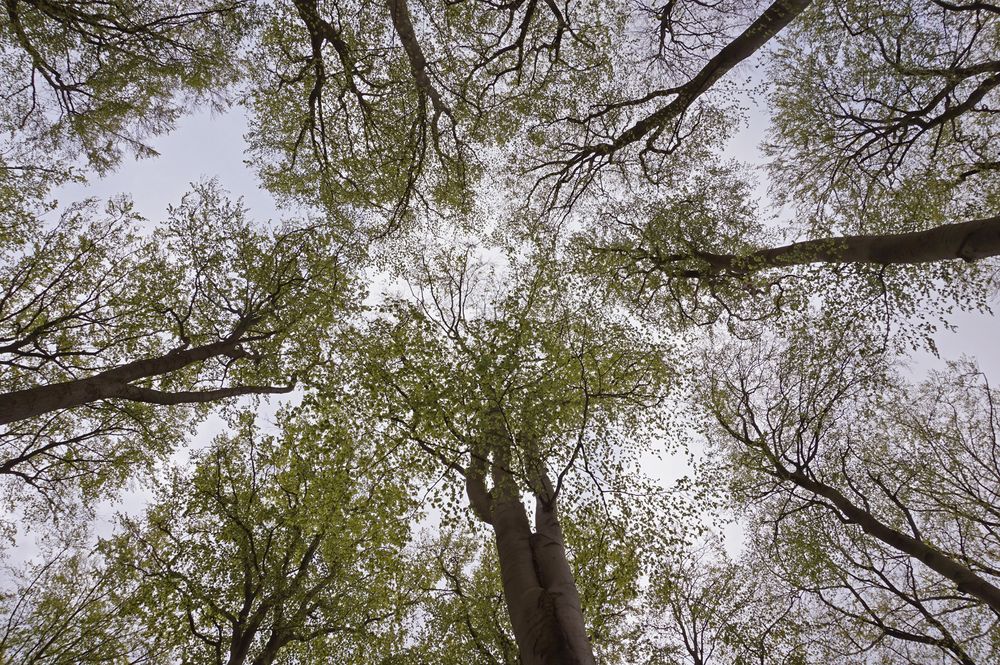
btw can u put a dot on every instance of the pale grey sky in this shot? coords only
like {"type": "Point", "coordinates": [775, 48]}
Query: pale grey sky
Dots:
{"type": "Point", "coordinates": [203, 145]}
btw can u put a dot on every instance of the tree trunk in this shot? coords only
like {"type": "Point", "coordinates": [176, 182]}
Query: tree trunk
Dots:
{"type": "Point", "coordinates": [556, 577]}
{"type": "Point", "coordinates": [538, 585]}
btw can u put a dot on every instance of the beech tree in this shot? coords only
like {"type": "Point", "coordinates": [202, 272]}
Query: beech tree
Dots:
{"type": "Point", "coordinates": [463, 616]}
{"type": "Point", "coordinates": [871, 495]}
{"type": "Point", "coordinates": [582, 146]}
{"type": "Point", "coordinates": [103, 326]}
{"type": "Point", "coordinates": [92, 79]}
{"type": "Point", "coordinates": [67, 609]}
{"type": "Point", "coordinates": [877, 150]}
{"type": "Point", "coordinates": [520, 389]}
{"type": "Point", "coordinates": [706, 609]}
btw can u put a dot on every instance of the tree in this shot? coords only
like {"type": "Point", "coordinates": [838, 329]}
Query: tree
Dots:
{"type": "Point", "coordinates": [404, 108]}
{"type": "Point", "coordinates": [880, 149]}
{"type": "Point", "coordinates": [583, 142]}
{"type": "Point", "coordinates": [274, 549]}
{"type": "Point", "coordinates": [877, 495]}
{"type": "Point", "coordinates": [465, 611]}
{"type": "Point", "coordinates": [102, 325]}
{"type": "Point", "coordinates": [704, 608]}
{"type": "Point", "coordinates": [895, 98]}
{"type": "Point", "coordinates": [66, 610]}
{"type": "Point", "coordinates": [520, 389]}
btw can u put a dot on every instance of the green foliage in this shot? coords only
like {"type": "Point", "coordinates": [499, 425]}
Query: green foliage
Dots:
{"type": "Point", "coordinates": [342, 113]}
{"type": "Point", "coordinates": [585, 140]}
{"type": "Point", "coordinates": [881, 114]}
{"type": "Point", "coordinates": [647, 252]}
{"type": "Point", "coordinates": [97, 291]}
{"type": "Point", "coordinates": [568, 374]}
{"type": "Point", "coordinates": [92, 79]}
{"type": "Point", "coordinates": [66, 610]}
{"type": "Point", "coordinates": [704, 607]}
{"type": "Point", "coordinates": [462, 616]}
{"type": "Point", "coordinates": [278, 547]}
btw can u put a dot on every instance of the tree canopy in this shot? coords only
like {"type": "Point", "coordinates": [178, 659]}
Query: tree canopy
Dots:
{"type": "Point", "coordinates": [540, 364]}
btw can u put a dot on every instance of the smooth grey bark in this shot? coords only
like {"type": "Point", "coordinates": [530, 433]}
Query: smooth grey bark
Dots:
{"type": "Point", "coordinates": [538, 585]}
{"type": "Point", "coordinates": [549, 549]}
{"type": "Point", "coordinates": [116, 383]}
{"type": "Point", "coordinates": [970, 241]}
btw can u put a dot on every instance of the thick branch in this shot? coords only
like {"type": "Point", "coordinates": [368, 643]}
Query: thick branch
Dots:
{"type": "Point", "coordinates": [767, 25]}
{"type": "Point", "coordinates": [31, 402]}
{"type": "Point", "coordinates": [150, 396]}
{"type": "Point", "coordinates": [479, 497]}
{"type": "Point", "coordinates": [969, 241]}
{"type": "Point", "coordinates": [964, 578]}
{"type": "Point", "coordinates": [403, 25]}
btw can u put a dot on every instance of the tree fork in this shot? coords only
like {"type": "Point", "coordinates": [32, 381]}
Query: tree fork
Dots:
{"type": "Point", "coordinates": [539, 590]}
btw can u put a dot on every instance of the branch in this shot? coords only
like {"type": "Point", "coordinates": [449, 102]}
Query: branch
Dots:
{"type": "Point", "coordinates": [964, 578]}
{"type": "Point", "coordinates": [400, 14]}
{"type": "Point", "coordinates": [31, 402]}
{"type": "Point", "coordinates": [479, 497]}
{"type": "Point", "coordinates": [969, 241]}
{"type": "Point", "coordinates": [767, 25]}
{"type": "Point", "coordinates": [150, 396]}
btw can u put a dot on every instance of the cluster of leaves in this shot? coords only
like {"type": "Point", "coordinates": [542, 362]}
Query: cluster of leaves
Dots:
{"type": "Point", "coordinates": [399, 104]}
{"type": "Point", "coordinates": [883, 113]}
{"type": "Point", "coordinates": [563, 372]}
{"type": "Point", "coordinates": [66, 609]}
{"type": "Point", "coordinates": [212, 303]}
{"type": "Point", "coordinates": [286, 543]}
{"type": "Point", "coordinates": [264, 548]}
{"type": "Point", "coordinates": [93, 78]}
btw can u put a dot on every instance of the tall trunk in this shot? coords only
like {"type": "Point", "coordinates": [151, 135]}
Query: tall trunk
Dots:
{"type": "Point", "coordinates": [555, 575]}
{"type": "Point", "coordinates": [239, 647]}
{"type": "Point", "coordinates": [538, 585]}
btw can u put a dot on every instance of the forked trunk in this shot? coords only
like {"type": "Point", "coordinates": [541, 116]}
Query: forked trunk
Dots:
{"type": "Point", "coordinates": [538, 585]}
